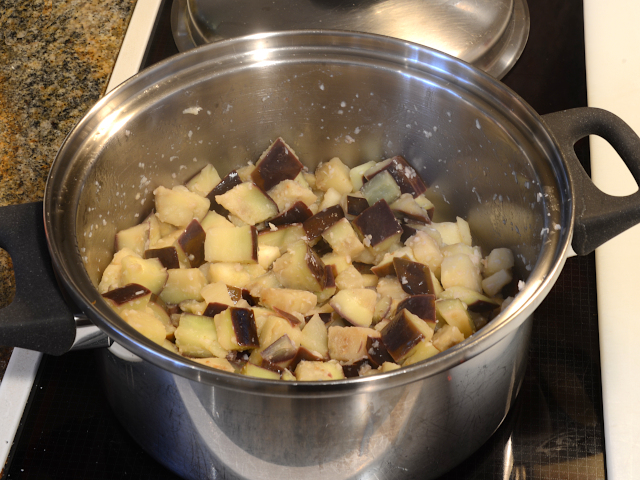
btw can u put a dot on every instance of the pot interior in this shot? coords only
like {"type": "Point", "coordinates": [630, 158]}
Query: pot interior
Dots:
{"type": "Point", "coordinates": [483, 153]}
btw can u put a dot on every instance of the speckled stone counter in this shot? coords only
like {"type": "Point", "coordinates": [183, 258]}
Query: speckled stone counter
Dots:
{"type": "Point", "coordinates": [55, 61]}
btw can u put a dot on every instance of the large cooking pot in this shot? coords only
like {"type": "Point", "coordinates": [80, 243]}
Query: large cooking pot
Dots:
{"type": "Point", "coordinates": [486, 156]}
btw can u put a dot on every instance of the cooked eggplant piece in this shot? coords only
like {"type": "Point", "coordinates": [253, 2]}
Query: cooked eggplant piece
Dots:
{"type": "Point", "coordinates": [476, 302]}
{"type": "Point", "coordinates": [135, 238]}
{"type": "Point", "coordinates": [423, 306]}
{"type": "Point", "coordinates": [234, 244]}
{"type": "Point", "coordinates": [310, 371]}
{"type": "Point", "coordinates": [381, 187]}
{"type": "Point", "coordinates": [168, 256]}
{"type": "Point", "coordinates": [349, 344]}
{"type": "Point", "coordinates": [333, 174]}
{"type": "Point", "coordinates": [414, 277]}
{"type": "Point", "coordinates": [351, 370]}
{"type": "Point", "coordinates": [214, 308]}
{"type": "Point", "coordinates": [356, 205]}
{"type": "Point", "coordinates": [237, 329]}
{"type": "Point", "coordinates": [277, 163]}
{"type": "Point", "coordinates": [420, 352]}
{"type": "Point", "coordinates": [403, 333]}
{"type": "Point", "coordinates": [192, 243]}
{"type": "Point", "coordinates": [196, 337]}
{"type": "Point", "coordinates": [314, 337]}
{"type": "Point", "coordinates": [149, 273]}
{"type": "Point", "coordinates": [280, 353]}
{"type": "Point", "coordinates": [292, 319]}
{"type": "Point", "coordinates": [378, 226]}
{"type": "Point", "coordinates": [282, 237]}
{"type": "Point", "coordinates": [403, 173]}
{"type": "Point", "coordinates": [132, 296]}
{"type": "Point", "coordinates": [460, 270]}
{"type": "Point", "coordinates": [298, 213]}
{"type": "Point", "coordinates": [343, 239]}
{"type": "Point", "coordinates": [318, 223]}
{"type": "Point", "coordinates": [249, 203]}
{"type": "Point", "coordinates": [231, 180]}
{"type": "Point", "coordinates": [251, 370]}
{"type": "Point", "coordinates": [407, 232]}
{"type": "Point", "coordinates": [377, 352]}
{"type": "Point", "coordinates": [204, 181]}
{"type": "Point", "coordinates": [454, 312]}
{"type": "Point", "coordinates": [301, 268]}
{"type": "Point", "coordinates": [356, 174]}
{"type": "Point", "coordinates": [408, 210]}
{"type": "Point", "coordinates": [330, 286]}
{"type": "Point", "coordinates": [493, 284]}
{"type": "Point", "coordinates": [178, 206]}
{"type": "Point", "coordinates": [183, 284]}
{"type": "Point", "coordinates": [355, 305]}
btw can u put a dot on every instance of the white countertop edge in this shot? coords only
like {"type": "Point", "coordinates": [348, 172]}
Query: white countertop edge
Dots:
{"type": "Point", "coordinates": [18, 379]}
{"type": "Point", "coordinates": [135, 42]}
{"type": "Point", "coordinates": [14, 392]}
{"type": "Point", "coordinates": [613, 68]}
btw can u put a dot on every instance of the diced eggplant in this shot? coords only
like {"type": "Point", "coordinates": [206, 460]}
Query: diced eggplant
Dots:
{"type": "Point", "coordinates": [237, 329]}
{"type": "Point", "coordinates": [298, 213]}
{"type": "Point", "coordinates": [356, 205]}
{"type": "Point", "coordinates": [235, 244]}
{"type": "Point", "coordinates": [214, 308]}
{"type": "Point", "coordinates": [252, 370]}
{"type": "Point", "coordinates": [282, 237]}
{"type": "Point", "coordinates": [168, 256]}
{"type": "Point", "coordinates": [343, 239]}
{"type": "Point", "coordinates": [132, 296]}
{"type": "Point", "coordinates": [192, 243]}
{"type": "Point", "coordinates": [204, 181]}
{"type": "Point", "coordinates": [301, 268]}
{"type": "Point", "coordinates": [403, 173]}
{"type": "Point", "coordinates": [277, 163]}
{"type": "Point", "coordinates": [352, 370]}
{"type": "Point", "coordinates": [280, 353]}
{"type": "Point", "coordinates": [178, 206]}
{"type": "Point", "coordinates": [381, 187]}
{"type": "Point", "coordinates": [349, 344]}
{"type": "Point", "coordinates": [183, 284]}
{"type": "Point", "coordinates": [149, 273]}
{"type": "Point", "coordinates": [333, 174]}
{"type": "Point", "coordinates": [403, 333]}
{"type": "Point", "coordinates": [423, 306]}
{"type": "Point", "coordinates": [227, 183]}
{"type": "Point", "coordinates": [249, 203]}
{"type": "Point", "coordinates": [315, 337]}
{"type": "Point", "coordinates": [196, 337]}
{"type": "Point", "coordinates": [454, 312]}
{"type": "Point", "coordinates": [318, 371]}
{"type": "Point", "coordinates": [378, 226]}
{"type": "Point", "coordinates": [414, 277]}
{"type": "Point", "coordinates": [135, 238]}
{"type": "Point", "coordinates": [408, 210]}
{"type": "Point", "coordinates": [291, 318]}
{"type": "Point", "coordinates": [355, 305]}
{"type": "Point", "coordinates": [377, 352]}
{"type": "Point", "coordinates": [318, 223]}
{"type": "Point", "coordinates": [476, 302]}
{"type": "Point", "coordinates": [420, 352]}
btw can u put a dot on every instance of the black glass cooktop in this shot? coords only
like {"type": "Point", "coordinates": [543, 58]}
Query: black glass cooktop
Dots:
{"type": "Point", "coordinates": [554, 431]}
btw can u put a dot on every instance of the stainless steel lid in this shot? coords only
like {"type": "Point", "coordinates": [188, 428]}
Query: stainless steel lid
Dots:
{"type": "Point", "coordinates": [490, 34]}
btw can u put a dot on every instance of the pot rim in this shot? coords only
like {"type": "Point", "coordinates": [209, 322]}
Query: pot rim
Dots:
{"type": "Point", "coordinates": [68, 263]}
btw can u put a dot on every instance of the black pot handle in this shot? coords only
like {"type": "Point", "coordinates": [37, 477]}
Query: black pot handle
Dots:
{"type": "Point", "coordinates": [38, 318]}
{"type": "Point", "coordinates": [599, 217]}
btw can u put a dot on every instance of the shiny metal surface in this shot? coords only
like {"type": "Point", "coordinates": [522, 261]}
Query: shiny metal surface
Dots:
{"type": "Point", "coordinates": [490, 34]}
{"type": "Point", "coordinates": [416, 431]}
{"type": "Point", "coordinates": [88, 335]}
{"type": "Point", "coordinates": [484, 153]}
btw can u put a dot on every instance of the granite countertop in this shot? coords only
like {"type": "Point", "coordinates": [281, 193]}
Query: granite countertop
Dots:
{"type": "Point", "coordinates": [55, 61]}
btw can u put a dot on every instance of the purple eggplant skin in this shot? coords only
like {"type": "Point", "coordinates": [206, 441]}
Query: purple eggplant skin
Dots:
{"type": "Point", "coordinates": [400, 336]}
{"type": "Point", "coordinates": [377, 223]}
{"type": "Point", "coordinates": [404, 174]}
{"type": "Point", "coordinates": [356, 205]}
{"type": "Point", "coordinates": [377, 352]}
{"type": "Point", "coordinates": [351, 370]}
{"type": "Point", "coordinates": [414, 277]}
{"type": "Point", "coordinates": [192, 242]}
{"type": "Point", "coordinates": [227, 183]}
{"type": "Point", "coordinates": [244, 326]}
{"type": "Point", "coordinates": [315, 225]}
{"type": "Point", "coordinates": [298, 213]}
{"type": "Point", "coordinates": [278, 163]}
{"type": "Point", "coordinates": [168, 256]}
{"type": "Point", "coordinates": [214, 308]}
{"type": "Point", "coordinates": [422, 306]}
{"type": "Point", "coordinates": [128, 293]}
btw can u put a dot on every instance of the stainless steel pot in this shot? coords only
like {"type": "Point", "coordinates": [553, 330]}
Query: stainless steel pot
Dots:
{"type": "Point", "coordinates": [486, 155]}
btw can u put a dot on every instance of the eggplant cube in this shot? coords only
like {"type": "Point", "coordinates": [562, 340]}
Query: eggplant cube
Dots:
{"type": "Point", "coordinates": [249, 203]}
{"type": "Point", "coordinates": [129, 297]}
{"type": "Point", "coordinates": [227, 183]}
{"type": "Point", "coordinates": [403, 173]}
{"type": "Point", "coordinates": [277, 163]}
{"type": "Point", "coordinates": [355, 305]}
{"type": "Point", "coordinates": [414, 277]}
{"type": "Point", "coordinates": [312, 370]}
{"type": "Point", "coordinates": [343, 239]}
{"type": "Point", "coordinates": [179, 206]}
{"type": "Point", "coordinates": [403, 333]}
{"type": "Point", "coordinates": [378, 226]}
{"type": "Point", "coordinates": [236, 329]}
{"type": "Point", "coordinates": [149, 273]}
{"type": "Point", "coordinates": [234, 244]}
{"type": "Point", "coordinates": [301, 268]}
{"type": "Point", "coordinates": [196, 337]}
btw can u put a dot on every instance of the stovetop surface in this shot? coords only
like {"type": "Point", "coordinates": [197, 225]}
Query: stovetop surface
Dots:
{"type": "Point", "coordinates": [554, 431]}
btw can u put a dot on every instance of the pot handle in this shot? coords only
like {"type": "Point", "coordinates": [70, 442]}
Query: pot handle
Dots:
{"type": "Point", "coordinates": [38, 318]}
{"type": "Point", "coordinates": [599, 217]}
